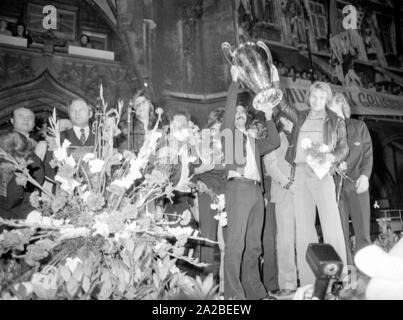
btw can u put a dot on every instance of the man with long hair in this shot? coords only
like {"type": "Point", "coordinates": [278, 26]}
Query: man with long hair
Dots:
{"type": "Point", "coordinates": [244, 198]}
{"type": "Point", "coordinates": [321, 126]}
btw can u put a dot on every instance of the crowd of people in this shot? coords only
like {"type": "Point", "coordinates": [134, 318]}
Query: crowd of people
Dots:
{"type": "Point", "coordinates": [22, 32]}
{"type": "Point", "coordinates": [379, 83]}
{"type": "Point", "coordinates": [271, 192]}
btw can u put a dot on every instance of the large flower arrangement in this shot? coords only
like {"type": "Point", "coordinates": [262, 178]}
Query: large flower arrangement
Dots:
{"type": "Point", "coordinates": [101, 236]}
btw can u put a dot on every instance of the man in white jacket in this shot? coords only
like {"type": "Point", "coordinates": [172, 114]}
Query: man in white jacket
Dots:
{"type": "Point", "coordinates": [281, 173]}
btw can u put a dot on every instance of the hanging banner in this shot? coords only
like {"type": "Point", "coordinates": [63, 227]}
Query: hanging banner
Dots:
{"type": "Point", "coordinates": [362, 101]}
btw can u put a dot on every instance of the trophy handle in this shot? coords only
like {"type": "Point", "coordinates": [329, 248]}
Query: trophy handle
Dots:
{"type": "Point", "coordinates": [262, 45]}
{"type": "Point", "coordinates": [227, 52]}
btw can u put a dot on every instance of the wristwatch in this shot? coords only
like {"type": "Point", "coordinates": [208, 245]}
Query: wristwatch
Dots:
{"type": "Point", "coordinates": [288, 185]}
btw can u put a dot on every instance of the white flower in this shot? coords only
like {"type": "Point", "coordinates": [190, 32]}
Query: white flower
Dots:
{"type": "Point", "coordinates": [306, 143]}
{"type": "Point", "coordinates": [174, 269]}
{"type": "Point", "coordinates": [46, 221]}
{"type": "Point", "coordinates": [186, 217]}
{"type": "Point", "coordinates": [73, 263]}
{"type": "Point", "coordinates": [86, 195]}
{"type": "Point", "coordinates": [34, 217]}
{"type": "Point", "coordinates": [67, 185]}
{"type": "Point", "coordinates": [71, 233]}
{"type": "Point", "coordinates": [160, 245]}
{"type": "Point", "coordinates": [47, 279]}
{"type": "Point", "coordinates": [132, 227]}
{"type": "Point", "coordinates": [96, 165]}
{"type": "Point", "coordinates": [101, 227]}
{"type": "Point", "coordinates": [159, 111]}
{"type": "Point", "coordinates": [324, 148]}
{"type": "Point", "coordinates": [61, 153]}
{"type": "Point", "coordinates": [181, 232]}
{"type": "Point", "coordinates": [221, 203]}
{"type": "Point", "coordinates": [88, 156]}
{"type": "Point", "coordinates": [222, 218]}
{"type": "Point", "coordinates": [127, 181]}
{"type": "Point", "coordinates": [70, 161]}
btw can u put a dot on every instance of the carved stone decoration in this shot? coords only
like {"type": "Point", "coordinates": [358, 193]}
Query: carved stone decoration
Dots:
{"type": "Point", "coordinates": [86, 78]}
{"type": "Point", "coordinates": [15, 68]}
{"type": "Point", "coordinates": [40, 82]}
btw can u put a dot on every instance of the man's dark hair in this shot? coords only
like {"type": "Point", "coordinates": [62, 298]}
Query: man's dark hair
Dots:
{"type": "Point", "coordinates": [215, 116]}
{"type": "Point", "coordinates": [85, 35]}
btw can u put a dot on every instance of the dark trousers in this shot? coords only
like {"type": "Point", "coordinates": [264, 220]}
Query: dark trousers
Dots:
{"type": "Point", "coordinates": [243, 248]}
{"type": "Point", "coordinates": [356, 206]}
{"type": "Point", "coordinates": [209, 253]}
{"type": "Point", "coordinates": [270, 270]}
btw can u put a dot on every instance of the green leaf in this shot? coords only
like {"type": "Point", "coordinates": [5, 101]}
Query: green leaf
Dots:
{"type": "Point", "coordinates": [78, 273]}
{"type": "Point", "coordinates": [137, 275]}
{"type": "Point", "coordinates": [72, 287]}
{"type": "Point", "coordinates": [138, 251]}
{"type": "Point", "coordinates": [156, 280]}
{"type": "Point", "coordinates": [130, 245]}
{"type": "Point", "coordinates": [88, 267]}
{"type": "Point", "coordinates": [126, 258]}
{"type": "Point", "coordinates": [65, 273]}
{"type": "Point", "coordinates": [122, 280]}
{"type": "Point", "coordinates": [86, 285]}
{"type": "Point", "coordinates": [174, 281]}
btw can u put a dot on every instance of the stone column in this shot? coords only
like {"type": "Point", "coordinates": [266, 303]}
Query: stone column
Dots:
{"type": "Point", "coordinates": [130, 24]}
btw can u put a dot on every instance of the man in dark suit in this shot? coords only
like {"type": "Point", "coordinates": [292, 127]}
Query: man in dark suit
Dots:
{"type": "Point", "coordinates": [354, 197]}
{"type": "Point", "coordinates": [244, 198]}
{"type": "Point", "coordinates": [80, 135]}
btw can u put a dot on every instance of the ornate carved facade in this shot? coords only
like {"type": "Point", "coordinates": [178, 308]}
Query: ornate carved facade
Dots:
{"type": "Point", "coordinates": [30, 78]}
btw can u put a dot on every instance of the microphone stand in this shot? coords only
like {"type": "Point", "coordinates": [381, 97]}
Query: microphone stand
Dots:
{"type": "Point", "coordinates": [129, 126]}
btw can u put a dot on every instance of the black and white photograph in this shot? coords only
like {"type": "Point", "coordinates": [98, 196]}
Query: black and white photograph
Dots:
{"type": "Point", "coordinates": [225, 151]}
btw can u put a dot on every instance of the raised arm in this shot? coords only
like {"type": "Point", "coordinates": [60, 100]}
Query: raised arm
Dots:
{"type": "Point", "coordinates": [230, 107]}
{"type": "Point", "coordinates": [289, 112]}
{"type": "Point", "coordinates": [272, 142]}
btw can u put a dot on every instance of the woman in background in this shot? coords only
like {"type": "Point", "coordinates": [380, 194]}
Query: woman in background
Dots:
{"type": "Point", "coordinates": [142, 122]}
{"type": "Point", "coordinates": [14, 198]}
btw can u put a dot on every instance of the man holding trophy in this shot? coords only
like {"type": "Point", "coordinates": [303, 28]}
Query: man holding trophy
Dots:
{"type": "Point", "coordinates": [243, 192]}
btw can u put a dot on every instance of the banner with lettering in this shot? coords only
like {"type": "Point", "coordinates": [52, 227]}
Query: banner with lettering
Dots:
{"type": "Point", "coordinates": [362, 101]}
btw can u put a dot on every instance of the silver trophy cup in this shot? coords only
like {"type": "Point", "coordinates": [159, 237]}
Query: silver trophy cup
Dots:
{"type": "Point", "coordinates": [255, 65]}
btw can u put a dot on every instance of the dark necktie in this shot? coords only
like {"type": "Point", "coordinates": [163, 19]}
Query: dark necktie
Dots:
{"type": "Point", "coordinates": [83, 139]}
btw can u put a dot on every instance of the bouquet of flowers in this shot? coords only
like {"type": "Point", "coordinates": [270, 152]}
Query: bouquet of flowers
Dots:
{"type": "Point", "coordinates": [318, 157]}
{"type": "Point", "coordinates": [99, 237]}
